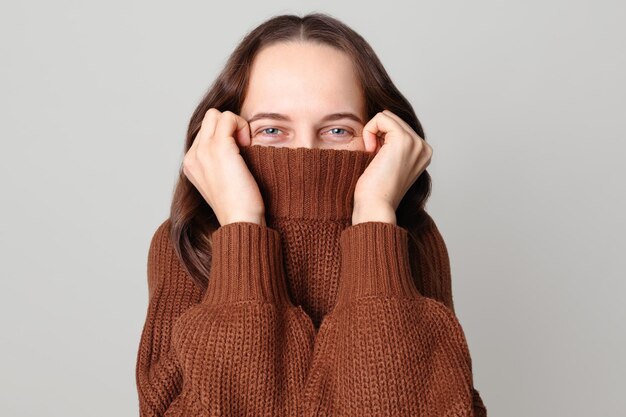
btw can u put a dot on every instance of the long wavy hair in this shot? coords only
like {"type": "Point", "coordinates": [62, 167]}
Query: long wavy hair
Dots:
{"type": "Point", "coordinates": [192, 220]}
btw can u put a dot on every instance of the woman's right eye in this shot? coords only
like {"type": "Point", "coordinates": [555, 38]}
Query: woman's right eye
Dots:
{"type": "Point", "coordinates": [269, 128]}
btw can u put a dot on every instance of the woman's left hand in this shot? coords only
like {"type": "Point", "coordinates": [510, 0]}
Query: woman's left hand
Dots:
{"type": "Point", "coordinates": [402, 155]}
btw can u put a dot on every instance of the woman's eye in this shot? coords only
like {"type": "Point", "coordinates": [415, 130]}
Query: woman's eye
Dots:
{"type": "Point", "coordinates": [335, 129]}
{"type": "Point", "coordinates": [270, 128]}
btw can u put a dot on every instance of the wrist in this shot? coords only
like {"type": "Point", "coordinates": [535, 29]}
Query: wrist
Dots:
{"type": "Point", "coordinates": [248, 218]}
{"type": "Point", "coordinates": [371, 211]}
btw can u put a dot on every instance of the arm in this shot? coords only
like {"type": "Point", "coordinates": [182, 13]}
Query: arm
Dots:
{"type": "Point", "coordinates": [385, 348]}
{"type": "Point", "coordinates": [246, 345]}
{"type": "Point", "coordinates": [170, 292]}
{"type": "Point", "coordinates": [435, 282]}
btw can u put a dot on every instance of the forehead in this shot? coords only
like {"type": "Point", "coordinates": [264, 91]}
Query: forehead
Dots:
{"type": "Point", "coordinates": [291, 76]}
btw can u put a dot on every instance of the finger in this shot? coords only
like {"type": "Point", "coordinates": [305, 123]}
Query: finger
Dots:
{"type": "Point", "coordinates": [380, 140]}
{"type": "Point", "coordinates": [207, 129]}
{"type": "Point", "coordinates": [401, 122]}
{"type": "Point", "coordinates": [243, 136]}
{"type": "Point", "coordinates": [378, 126]}
{"type": "Point", "coordinates": [425, 149]}
{"type": "Point", "coordinates": [425, 154]}
{"type": "Point", "coordinates": [231, 125]}
{"type": "Point", "coordinates": [371, 134]}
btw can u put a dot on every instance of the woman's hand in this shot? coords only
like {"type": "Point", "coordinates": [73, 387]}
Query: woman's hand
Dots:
{"type": "Point", "coordinates": [215, 167]}
{"type": "Point", "coordinates": [400, 160]}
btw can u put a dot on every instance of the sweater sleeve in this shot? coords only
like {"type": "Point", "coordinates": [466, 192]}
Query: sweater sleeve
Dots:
{"type": "Point", "coordinates": [436, 282]}
{"type": "Point", "coordinates": [385, 349]}
{"type": "Point", "coordinates": [170, 292]}
{"type": "Point", "coordinates": [246, 345]}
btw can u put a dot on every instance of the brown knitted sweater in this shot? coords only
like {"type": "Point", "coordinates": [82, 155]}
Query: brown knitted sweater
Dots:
{"type": "Point", "coordinates": [309, 315]}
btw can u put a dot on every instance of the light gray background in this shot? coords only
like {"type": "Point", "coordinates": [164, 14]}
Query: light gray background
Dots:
{"type": "Point", "coordinates": [523, 102]}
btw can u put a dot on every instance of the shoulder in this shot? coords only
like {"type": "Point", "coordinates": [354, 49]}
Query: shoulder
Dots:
{"type": "Point", "coordinates": [433, 236]}
{"type": "Point", "coordinates": [161, 242]}
{"type": "Point", "coordinates": [165, 266]}
{"type": "Point", "coordinates": [161, 256]}
{"type": "Point", "coordinates": [161, 232]}
{"type": "Point", "coordinates": [169, 284]}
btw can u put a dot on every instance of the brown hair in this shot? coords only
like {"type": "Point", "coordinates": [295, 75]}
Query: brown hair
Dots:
{"type": "Point", "coordinates": [191, 218]}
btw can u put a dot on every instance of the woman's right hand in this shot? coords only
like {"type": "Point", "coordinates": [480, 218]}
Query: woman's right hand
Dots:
{"type": "Point", "coordinates": [215, 167]}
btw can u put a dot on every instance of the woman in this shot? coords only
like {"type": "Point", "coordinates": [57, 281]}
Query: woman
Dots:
{"type": "Point", "coordinates": [298, 273]}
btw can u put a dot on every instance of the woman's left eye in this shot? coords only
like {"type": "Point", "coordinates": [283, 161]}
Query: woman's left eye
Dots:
{"type": "Point", "coordinates": [339, 128]}
{"type": "Point", "coordinates": [269, 128]}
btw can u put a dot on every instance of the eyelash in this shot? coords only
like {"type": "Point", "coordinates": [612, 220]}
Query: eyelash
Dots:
{"type": "Point", "coordinates": [346, 130]}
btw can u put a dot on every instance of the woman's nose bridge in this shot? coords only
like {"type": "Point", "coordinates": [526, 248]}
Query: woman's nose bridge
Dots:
{"type": "Point", "coordinates": [306, 137]}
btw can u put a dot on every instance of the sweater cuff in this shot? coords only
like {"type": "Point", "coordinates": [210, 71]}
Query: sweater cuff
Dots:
{"type": "Point", "coordinates": [246, 265]}
{"type": "Point", "coordinates": [375, 262]}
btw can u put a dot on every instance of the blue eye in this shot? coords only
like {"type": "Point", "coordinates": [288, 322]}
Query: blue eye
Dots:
{"type": "Point", "coordinates": [269, 128]}
{"type": "Point", "coordinates": [341, 129]}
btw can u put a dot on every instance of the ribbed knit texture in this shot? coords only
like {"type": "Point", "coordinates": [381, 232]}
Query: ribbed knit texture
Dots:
{"type": "Point", "coordinates": [308, 315]}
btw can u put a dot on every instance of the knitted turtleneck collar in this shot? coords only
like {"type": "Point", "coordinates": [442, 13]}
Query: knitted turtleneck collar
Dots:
{"type": "Point", "coordinates": [309, 197]}
{"type": "Point", "coordinates": [306, 183]}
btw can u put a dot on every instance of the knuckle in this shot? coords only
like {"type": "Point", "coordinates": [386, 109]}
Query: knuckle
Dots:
{"type": "Point", "coordinates": [187, 163]}
{"type": "Point", "coordinates": [229, 114]}
{"type": "Point", "coordinates": [212, 110]}
{"type": "Point", "coordinates": [210, 115]}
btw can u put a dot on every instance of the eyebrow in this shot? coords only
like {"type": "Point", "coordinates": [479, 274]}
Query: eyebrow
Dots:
{"type": "Point", "coordinates": [329, 117]}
